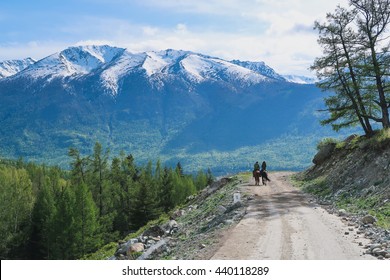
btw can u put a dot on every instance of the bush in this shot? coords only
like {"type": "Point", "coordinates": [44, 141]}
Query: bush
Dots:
{"type": "Point", "coordinates": [326, 141]}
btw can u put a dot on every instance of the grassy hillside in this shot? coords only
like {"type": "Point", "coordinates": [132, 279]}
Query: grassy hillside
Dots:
{"type": "Point", "coordinates": [353, 174]}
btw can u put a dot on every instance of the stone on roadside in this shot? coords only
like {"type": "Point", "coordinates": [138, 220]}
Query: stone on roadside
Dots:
{"type": "Point", "coordinates": [221, 209]}
{"type": "Point", "coordinates": [368, 219]}
{"type": "Point", "coordinates": [136, 248]}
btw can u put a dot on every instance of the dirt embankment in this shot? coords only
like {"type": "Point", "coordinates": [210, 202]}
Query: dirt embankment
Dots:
{"type": "Point", "coordinates": [358, 166]}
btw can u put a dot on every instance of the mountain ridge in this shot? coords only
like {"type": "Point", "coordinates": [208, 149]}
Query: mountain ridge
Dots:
{"type": "Point", "coordinates": [80, 60]}
{"type": "Point", "coordinates": [173, 105]}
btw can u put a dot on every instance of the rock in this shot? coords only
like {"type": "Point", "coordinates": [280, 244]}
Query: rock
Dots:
{"type": "Point", "coordinates": [375, 246]}
{"type": "Point", "coordinates": [324, 153]}
{"type": "Point", "coordinates": [136, 248]}
{"type": "Point", "coordinates": [368, 219]}
{"type": "Point", "coordinates": [157, 248]}
{"type": "Point", "coordinates": [133, 240]}
{"type": "Point", "coordinates": [221, 209]}
{"type": "Point", "coordinates": [178, 214]}
{"type": "Point", "coordinates": [346, 233]}
{"type": "Point", "coordinates": [350, 138]}
{"type": "Point", "coordinates": [154, 231]}
{"type": "Point", "coordinates": [342, 212]}
{"type": "Point", "coordinates": [376, 251]}
{"type": "Point", "coordinates": [150, 242]}
{"type": "Point", "coordinates": [171, 227]}
{"type": "Point", "coordinates": [236, 197]}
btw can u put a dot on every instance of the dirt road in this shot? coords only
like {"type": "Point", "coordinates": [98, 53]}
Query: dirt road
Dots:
{"type": "Point", "coordinates": [282, 223]}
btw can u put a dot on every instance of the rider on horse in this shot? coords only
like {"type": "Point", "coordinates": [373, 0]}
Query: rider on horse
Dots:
{"type": "Point", "coordinates": [256, 173]}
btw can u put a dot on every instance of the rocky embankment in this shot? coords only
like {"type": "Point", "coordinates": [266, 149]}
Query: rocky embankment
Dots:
{"type": "Point", "coordinates": [193, 231]}
{"type": "Point", "coordinates": [352, 179]}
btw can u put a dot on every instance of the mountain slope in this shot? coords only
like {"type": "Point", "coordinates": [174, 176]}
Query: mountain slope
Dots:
{"type": "Point", "coordinates": [12, 67]}
{"type": "Point", "coordinates": [176, 105]}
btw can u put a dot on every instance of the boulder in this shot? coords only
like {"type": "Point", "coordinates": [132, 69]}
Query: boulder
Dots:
{"type": "Point", "coordinates": [324, 153]}
{"type": "Point", "coordinates": [368, 219]}
{"type": "Point", "coordinates": [221, 209]}
{"type": "Point", "coordinates": [136, 248]}
{"type": "Point", "coordinates": [154, 231]}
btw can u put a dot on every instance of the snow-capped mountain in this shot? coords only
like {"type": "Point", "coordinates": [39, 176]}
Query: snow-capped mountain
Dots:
{"type": "Point", "coordinates": [112, 64]}
{"type": "Point", "coordinates": [12, 67]}
{"type": "Point", "coordinates": [299, 79]}
{"type": "Point", "coordinates": [74, 61]}
{"type": "Point", "coordinates": [170, 103]}
{"type": "Point", "coordinates": [259, 67]}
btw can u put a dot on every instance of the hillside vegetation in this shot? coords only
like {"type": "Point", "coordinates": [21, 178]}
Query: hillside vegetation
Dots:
{"type": "Point", "coordinates": [50, 213]}
{"type": "Point", "coordinates": [353, 175]}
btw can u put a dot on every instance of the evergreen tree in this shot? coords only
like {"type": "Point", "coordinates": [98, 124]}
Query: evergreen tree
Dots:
{"type": "Point", "coordinates": [63, 225]}
{"type": "Point", "coordinates": [166, 190]}
{"type": "Point", "coordinates": [146, 203]}
{"type": "Point", "coordinates": [373, 19]}
{"type": "Point", "coordinates": [201, 180]}
{"type": "Point", "coordinates": [85, 225]}
{"type": "Point", "coordinates": [103, 192]}
{"type": "Point", "coordinates": [355, 64]}
{"type": "Point", "coordinates": [122, 174]}
{"type": "Point", "coordinates": [43, 235]}
{"type": "Point", "coordinates": [78, 166]}
{"type": "Point", "coordinates": [16, 205]}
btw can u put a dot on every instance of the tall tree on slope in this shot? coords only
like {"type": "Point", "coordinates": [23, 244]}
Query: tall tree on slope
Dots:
{"type": "Point", "coordinates": [354, 64]}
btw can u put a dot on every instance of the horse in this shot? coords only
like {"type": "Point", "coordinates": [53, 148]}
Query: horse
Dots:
{"type": "Point", "coordinates": [256, 174]}
{"type": "Point", "coordinates": [264, 177]}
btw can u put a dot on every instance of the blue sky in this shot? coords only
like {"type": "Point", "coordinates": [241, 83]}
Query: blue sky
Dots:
{"type": "Point", "coordinates": [276, 32]}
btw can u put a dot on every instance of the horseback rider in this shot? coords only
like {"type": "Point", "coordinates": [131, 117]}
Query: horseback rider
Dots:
{"type": "Point", "coordinates": [256, 166]}
{"type": "Point", "coordinates": [264, 173]}
{"type": "Point", "coordinates": [256, 173]}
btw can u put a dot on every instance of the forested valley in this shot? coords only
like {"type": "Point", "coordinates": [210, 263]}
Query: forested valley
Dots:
{"type": "Point", "coordinates": [51, 213]}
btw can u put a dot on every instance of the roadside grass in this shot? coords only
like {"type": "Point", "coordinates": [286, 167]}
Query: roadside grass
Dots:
{"type": "Point", "coordinates": [317, 187]}
{"type": "Point", "coordinates": [244, 176]}
{"type": "Point", "coordinates": [109, 249]}
{"type": "Point", "coordinates": [374, 205]}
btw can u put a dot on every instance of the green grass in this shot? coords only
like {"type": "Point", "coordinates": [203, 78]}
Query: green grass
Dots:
{"type": "Point", "coordinates": [373, 205]}
{"type": "Point", "coordinates": [326, 141]}
{"type": "Point", "coordinates": [103, 253]}
{"type": "Point", "coordinates": [317, 186]}
{"type": "Point", "coordinates": [109, 250]}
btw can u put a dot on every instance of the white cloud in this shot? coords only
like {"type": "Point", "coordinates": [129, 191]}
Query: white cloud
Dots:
{"type": "Point", "coordinates": [276, 32]}
{"type": "Point", "coordinates": [34, 49]}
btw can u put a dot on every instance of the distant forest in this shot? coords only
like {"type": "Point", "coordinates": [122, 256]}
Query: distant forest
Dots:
{"type": "Point", "coordinates": [52, 213]}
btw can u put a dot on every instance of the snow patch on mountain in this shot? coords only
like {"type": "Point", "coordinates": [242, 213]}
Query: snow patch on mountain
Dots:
{"type": "Point", "coordinates": [154, 63]}
{"type": "Point", "coordinates": [300, 79]}
{"type": "Point", "coordinates": [126, 63]}
{"type": "Point", "coordinates": [259, 67]}
{"type": "Point", "coordinates": [11, 67]}
{"type": "Point", "coordinates": [73, 61]}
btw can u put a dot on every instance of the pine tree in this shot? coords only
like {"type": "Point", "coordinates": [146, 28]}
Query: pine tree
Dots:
{"type": "Point", "coordinates": [85, 225]}
{"type": "Point", "coordinates": [43, 236]}
{"type": "Point", "coordinates": [122, 174]}
{"type": "Point", "coordinates": [166, 190]}
{"type": "Point", "coordinates": [16, 205]}
{"type": "Point", "coordinates": [373, 19]}
{"type": "Point", "coordinates": [63, 225]}
{"type": "Point", "coordinates": [146, 203]}
{"type": "Point", "coordinates": [355, 64]}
